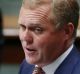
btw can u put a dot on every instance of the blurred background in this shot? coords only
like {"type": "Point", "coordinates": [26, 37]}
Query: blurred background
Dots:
{"type": "Point", "coordinates": [11, 53]}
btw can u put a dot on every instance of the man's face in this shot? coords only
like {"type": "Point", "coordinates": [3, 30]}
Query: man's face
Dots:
{"type": "Point", "coordinates": [41, 43]}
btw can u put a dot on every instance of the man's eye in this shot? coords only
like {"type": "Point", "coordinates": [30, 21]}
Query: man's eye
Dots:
{"type": "Point", "coordinates": [22, 27]}
{"type": "Point", "coordinates": [38, 30]}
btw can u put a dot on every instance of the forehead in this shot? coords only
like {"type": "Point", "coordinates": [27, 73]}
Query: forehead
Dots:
{"type": "Point", "coordinates": [38, 14]}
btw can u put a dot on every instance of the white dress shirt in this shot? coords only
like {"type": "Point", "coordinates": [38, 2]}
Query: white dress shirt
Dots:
{"type": "Point", "coordinates": [51, 68]}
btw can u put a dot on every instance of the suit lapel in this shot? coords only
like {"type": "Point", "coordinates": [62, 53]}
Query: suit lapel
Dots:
{"type": "Point", "coordinates": [69, 63]}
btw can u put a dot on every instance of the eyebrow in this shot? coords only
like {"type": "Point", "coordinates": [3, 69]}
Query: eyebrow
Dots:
{"type": "Point", "coordinates": [35, 24]}
{"type": "Point", "coordinates": [32, 24]}
{"type": "Point", "coordinates": [22, 25]}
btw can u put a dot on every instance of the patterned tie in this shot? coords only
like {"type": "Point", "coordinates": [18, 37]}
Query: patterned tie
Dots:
{"type": "Point", "coordinates": [38, 70]}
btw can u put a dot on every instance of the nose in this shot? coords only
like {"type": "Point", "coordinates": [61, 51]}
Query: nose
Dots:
{"type": "Point", "coordinates": [28, 37]}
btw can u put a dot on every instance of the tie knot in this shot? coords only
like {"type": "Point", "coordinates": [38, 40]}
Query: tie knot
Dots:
{"type": "Point", "coordinates": [38, 70]}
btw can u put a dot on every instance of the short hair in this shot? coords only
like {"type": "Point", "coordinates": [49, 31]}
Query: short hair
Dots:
{"type": "Point", "coordinates": [63, 11]}
{"type": "Point", "coordinates": [66, 11]}
{"type": "Point", "coordinates": [31, 4]}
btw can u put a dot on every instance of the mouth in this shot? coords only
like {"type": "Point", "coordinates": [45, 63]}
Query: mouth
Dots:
{"type": "Point", "coordinates": [28, 49]}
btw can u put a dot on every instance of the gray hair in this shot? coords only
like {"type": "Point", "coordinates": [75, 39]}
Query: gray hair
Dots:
{"type": "Point", "coordinates": [34, 3]}
{"type": "Point", "coordinates": [66, 11]}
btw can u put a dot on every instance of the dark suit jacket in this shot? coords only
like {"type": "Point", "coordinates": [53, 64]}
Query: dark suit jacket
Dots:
{"type": "Point", "coordinates": [71, 65]}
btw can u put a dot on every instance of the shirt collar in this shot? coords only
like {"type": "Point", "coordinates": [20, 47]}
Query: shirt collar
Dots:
{"type": "Point", "coordinates": [51, 68]}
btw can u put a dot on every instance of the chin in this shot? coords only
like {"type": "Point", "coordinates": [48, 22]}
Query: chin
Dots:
{"type": "Point", "coordinates": [31, 61]}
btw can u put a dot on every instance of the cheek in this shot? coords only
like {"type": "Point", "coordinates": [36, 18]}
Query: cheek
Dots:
{"type": "Point", "coordinates": [49, 43]}
{"type": "Point", "coordinates": [46, 47]}
{"type": "Point", "coordinates": [43, 42]}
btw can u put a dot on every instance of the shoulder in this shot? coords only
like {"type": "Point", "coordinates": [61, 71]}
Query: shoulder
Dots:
{"type": "Point", "coordinates": [74, 61]}
{"type": "Point", "coordinates": [71, 64]}
{"type": "Point", "coordinates": [26, 68]}
{"type": "Point", "coordinates": [76, 69]}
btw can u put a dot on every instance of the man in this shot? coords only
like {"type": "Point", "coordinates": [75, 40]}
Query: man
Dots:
{"type": "Point", "coordinates": [47, 33]}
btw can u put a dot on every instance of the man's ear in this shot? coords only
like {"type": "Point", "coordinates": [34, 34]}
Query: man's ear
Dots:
{"type": "Point", "coordinates": [69, 29]}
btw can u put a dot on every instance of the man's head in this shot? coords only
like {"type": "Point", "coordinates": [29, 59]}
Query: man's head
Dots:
{"type": "Point", "coordinates": [47, 28]}
{"type": "Point", "coordinates": [62, 11]}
